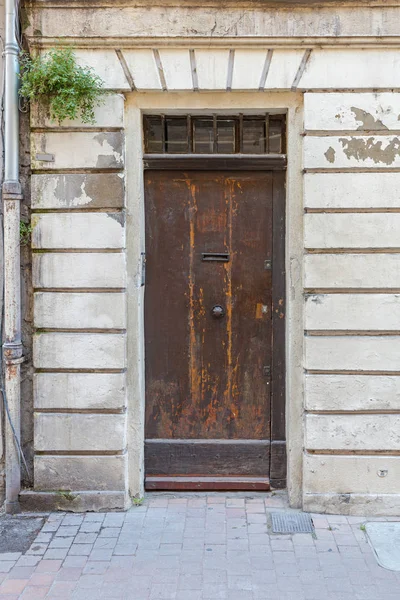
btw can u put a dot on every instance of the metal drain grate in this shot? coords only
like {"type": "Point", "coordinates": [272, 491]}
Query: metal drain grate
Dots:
{"type": "Point", "coordinates": [291, 523]}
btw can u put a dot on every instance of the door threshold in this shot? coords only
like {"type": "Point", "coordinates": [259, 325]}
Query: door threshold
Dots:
{"type": "Point", "coordinates": [207, 483]}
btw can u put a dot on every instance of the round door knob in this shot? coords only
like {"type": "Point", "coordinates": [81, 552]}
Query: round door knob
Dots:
{"type": "Point", "coordinates": [218, 311]}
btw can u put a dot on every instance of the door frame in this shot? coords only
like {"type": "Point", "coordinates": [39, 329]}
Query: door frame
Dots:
{"type": "Point", "coordinates": [221, 103]}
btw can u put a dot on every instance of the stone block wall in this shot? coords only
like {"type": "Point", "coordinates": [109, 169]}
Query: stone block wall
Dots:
{"type": "Point", "coordinates": [352, 301]}
{"type": "Point", "coordinates": [79, 273]}
{"type": "Point", "coordinates": [343, 405]}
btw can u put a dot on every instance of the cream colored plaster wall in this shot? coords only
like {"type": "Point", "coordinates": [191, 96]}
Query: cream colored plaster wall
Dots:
{"type": "Point", "coordinates": [79, 281]}
{"type": "Point", "coordinates": [342, 253]}
{"type": "Point", "coordinates": [352, 325]}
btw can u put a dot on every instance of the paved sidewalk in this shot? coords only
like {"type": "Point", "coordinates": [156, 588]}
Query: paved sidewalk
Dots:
{"type": "Point", "coordinates": [196, 547]}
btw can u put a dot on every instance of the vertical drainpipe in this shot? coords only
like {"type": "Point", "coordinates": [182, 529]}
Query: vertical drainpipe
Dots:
{"type": "Point", "coordinates": [12, 196]}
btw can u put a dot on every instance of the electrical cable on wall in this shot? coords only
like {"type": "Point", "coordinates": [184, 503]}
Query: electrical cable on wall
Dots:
{"type": "Point", "coordinates": [7, 411]}
{"type": "Point", "coordinates": [17, 442]}
{"type": "Point", "coordinates": [21, 455]}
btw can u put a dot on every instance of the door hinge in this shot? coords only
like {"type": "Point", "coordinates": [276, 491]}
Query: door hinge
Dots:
{"type": "Point", "coordinates": [267, 371]}
{"type": "Point", "coordinates": [142, 268]}
{"type": "Point", "coordinates": [268, 264]}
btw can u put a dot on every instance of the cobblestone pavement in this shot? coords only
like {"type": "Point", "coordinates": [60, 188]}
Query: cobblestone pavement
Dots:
{"type": "Point", "coordinates": [196, 547]}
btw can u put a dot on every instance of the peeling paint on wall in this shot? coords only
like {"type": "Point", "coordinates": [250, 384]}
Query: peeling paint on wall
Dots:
{"type": "Point", "coordinates": [111, 145]}
{"type": "Point", "coordinates": [73, 190]}
{"type": "Point", "coordinates": [363, 149]}
{"type": "Point", "coordinates": [368, 121]}
{"type": "Point", "coordinates": [117, 216]}
{"type": "Point", "coordinates": [330, 155]}
{"type": "Point", "coordinates": [76, 195]}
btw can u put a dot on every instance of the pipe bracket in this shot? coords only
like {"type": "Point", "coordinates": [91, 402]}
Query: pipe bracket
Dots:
{"type": "Point", "coordinates": [12, 352]}
{"type": "Point", "coordinates": [11, 190]}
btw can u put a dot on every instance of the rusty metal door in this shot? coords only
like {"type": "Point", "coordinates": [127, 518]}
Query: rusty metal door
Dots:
{"type": "Point", "coordinates": [209, 310]}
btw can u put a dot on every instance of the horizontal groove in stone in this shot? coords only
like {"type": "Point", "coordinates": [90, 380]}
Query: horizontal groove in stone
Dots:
{"type": "Point", "coordinates": [350, 132]}
{"type": "Point", "coordinates": [358, 210]}
{"type": "Point", "coordinates": [314, 291]}
{"type": "Point", "coordinates": [77, 171]}
{"type": "Point", "coordinates": [349, 372]}
{"type": "Point", "coordinates": [83, 411]}
{"type": "Point", "coordinates": [80, 209]}
{"type": "Point", "coordinates": [351, 170]}
{"type": "Point", "coordinates": [81, 290]}
{"type": "Point", "coordinates": [78, 250]}
{"type": "Point", "coordinates": [94, 330]}
{"type": "Point", "coordinates": [342, 90]}
{"type": "Point", "coordinates": [350, 332]}
{"type": "Point", "coordinates": [81, 453]}
{"type": "Point", "coordinates": [352, 250]}
{"type": "Point", "coordinates": [67, 129]}
{"type": "Point", "coordinates": [374, 411]}
{"type": "Point", "coordinates": [280, 42]}
{"type": "Point", "coordinates": [343, 452]}
{"type": "Point", "coordinates": [38, 370]}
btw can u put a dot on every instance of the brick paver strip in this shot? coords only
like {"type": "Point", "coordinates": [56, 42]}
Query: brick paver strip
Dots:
{"type": "Point", "coordinates": [196, 547]}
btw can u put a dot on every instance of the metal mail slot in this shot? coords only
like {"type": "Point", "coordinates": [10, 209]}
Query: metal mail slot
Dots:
{"type": "Point", "coordinates": [215, 256]}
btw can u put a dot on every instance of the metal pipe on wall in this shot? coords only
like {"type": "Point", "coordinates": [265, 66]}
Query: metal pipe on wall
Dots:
{"type": "Point", "coordinates": [12, 196]}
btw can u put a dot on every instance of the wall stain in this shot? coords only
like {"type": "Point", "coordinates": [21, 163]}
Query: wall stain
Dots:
{"type": "Point", "coordinates": [364, 149]}
{"type": "Point", "coordinates": [71, 190]}
{"type": "Point", "coordinates": [315, 299]}
{"type": "Point", "coordinates": [337, 26]}
{"type": "Point", "coordinates": [111, 145]}
{"type": "Point", "coordinates": [368, 121]}
{"type": "Point", "coordinates": [330, 155]}
{"type": "Point", "coordinates": [117, 216]}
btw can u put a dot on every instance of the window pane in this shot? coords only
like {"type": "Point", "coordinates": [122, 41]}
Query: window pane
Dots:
{"type": "Point", "coordinates": [203, 136]}
{"type": "Point", "coordinates": [176, 135]}
{"type": "Point", "coordinates": [253, 136]}
{"type": "Point", "coordinates": [225, 136]}
{"type": "Point", "coordinates": [153, 134]}
{"type": "Point", "coordinates": [209, 135]}
{"type": "Point", "coordinates": [275, 136]}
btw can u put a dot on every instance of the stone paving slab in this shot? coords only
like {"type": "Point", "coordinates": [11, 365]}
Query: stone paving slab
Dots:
{"type": "Point", "coordinates": [197, 547]}
{"type": "Point", "coordinates": [385, 541]}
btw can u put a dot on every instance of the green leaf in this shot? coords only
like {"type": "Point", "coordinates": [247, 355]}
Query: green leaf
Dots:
{"type": "Point", "coordinates": [64, 88]}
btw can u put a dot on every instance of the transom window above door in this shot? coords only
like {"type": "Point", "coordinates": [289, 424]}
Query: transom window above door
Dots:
{"type": "Point", "coordinates": [215, 134]}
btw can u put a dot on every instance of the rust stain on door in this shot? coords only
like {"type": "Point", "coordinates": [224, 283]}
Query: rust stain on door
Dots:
{"type": "Point", "coordinates": [208, 323]}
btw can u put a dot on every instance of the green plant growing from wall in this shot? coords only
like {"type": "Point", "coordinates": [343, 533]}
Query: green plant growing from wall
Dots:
{"type": "Point", "coordinates": [138, 501]}
{"type": "Point", "coordinates": [25, 231]}
{"type": "Point", "coordinates": [64, 88]}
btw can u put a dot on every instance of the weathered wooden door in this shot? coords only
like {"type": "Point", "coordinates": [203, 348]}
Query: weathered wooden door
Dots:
{"type": "Point", "coordinates": [213, 287]}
